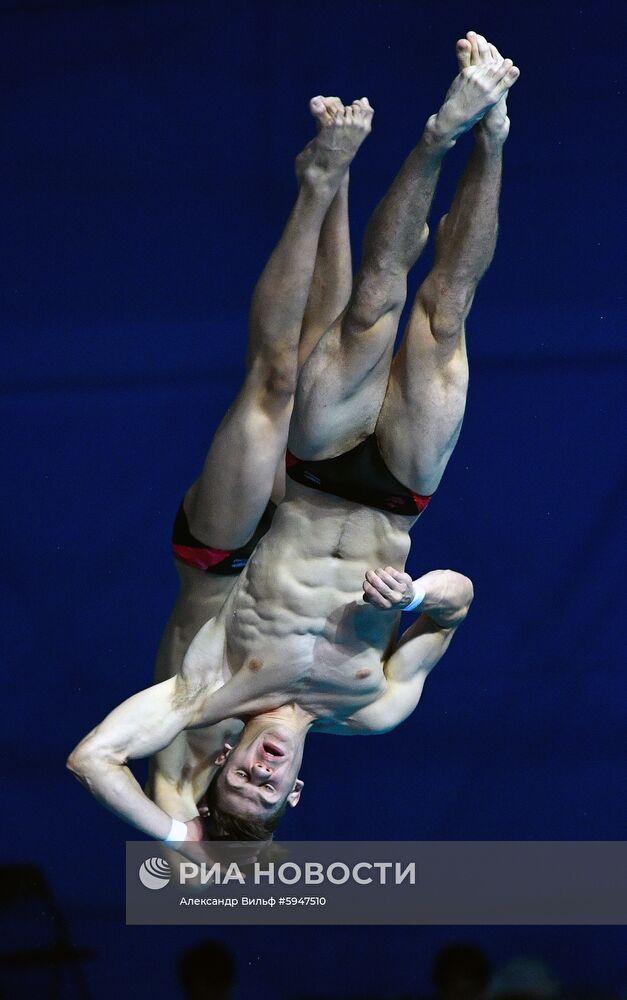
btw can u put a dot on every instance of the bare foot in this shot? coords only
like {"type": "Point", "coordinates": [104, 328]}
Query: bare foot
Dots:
{"type": "Point", "coordinates": [483, 81]}
{"type": "Point", "coordinates": [341, 131]}
{"type": "Point", "coordinates": [470, 51]}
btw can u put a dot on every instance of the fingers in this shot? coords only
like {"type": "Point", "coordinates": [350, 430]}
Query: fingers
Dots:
{"type": "Point", "coordinates": [387, 588]}
{"type": "Point", "coordinates": [372, 596]}
{"type": "Point", "coordinates": [399, 575]}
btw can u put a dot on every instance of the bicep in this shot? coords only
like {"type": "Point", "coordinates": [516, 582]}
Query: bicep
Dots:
{"type": "Point", "coordinates": [406, 671]}
{"type": "Point", "coordinates": [142, 725]}
{"type": "Point", "coordinates": [395, 705]}
{"type": "Point", "coordinates": [418, 650]}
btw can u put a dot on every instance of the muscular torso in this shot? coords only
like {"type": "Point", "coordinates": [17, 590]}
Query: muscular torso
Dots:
{"type": "Point", "coordinates": [295, 627]}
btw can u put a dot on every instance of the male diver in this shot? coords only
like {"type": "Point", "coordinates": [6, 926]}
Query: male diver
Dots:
{"type": "Point", "coordinates": [306, 639]}
{"type": "Point", "coordinates": [304, 287]}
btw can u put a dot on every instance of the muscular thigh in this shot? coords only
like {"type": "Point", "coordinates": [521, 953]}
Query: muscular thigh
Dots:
{"type": "Point", "coordinates": [225, 504]}
{"type": "Point", "coordinates": [423, 409]}
{"type": "Point", "coordinates": [341, 389]}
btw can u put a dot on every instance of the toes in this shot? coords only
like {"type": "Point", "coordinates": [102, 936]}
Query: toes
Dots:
{"type": "Point", "coordinates": [479, 53]}
{"type": "Point", "coordinates": [362, 112]}
{"type": "Point", "coordinates": [474, 47]}
{"type": "Point", "coordinates": [507, 75]}
{"type": "Point", "coordinates": [499, 70]}
{"type": "Point", "coordinates": [482, 46]}
{"type": "Point", "coordinates": [464, 50]}
{"type": "Point", "coordinates": [331, 111]}
{"type": "Point", "coordinates": [334, 105]}
{"type": "Point", "coordinates": [318, 108]}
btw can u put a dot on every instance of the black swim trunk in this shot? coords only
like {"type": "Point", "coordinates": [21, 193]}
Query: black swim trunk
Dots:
{"type": "Point", "coordinates": [360, 475]}
{"type": "Point", "coordinates": [225, 562]}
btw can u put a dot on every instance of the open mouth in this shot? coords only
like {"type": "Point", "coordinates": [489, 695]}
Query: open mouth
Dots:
{"type": "Point", "coordinates": [272, 750]}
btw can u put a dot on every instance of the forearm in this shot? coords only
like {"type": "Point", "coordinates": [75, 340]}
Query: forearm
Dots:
{"type": "Point", "coordinates": [114, 785]}
{"type": "Point", "coordinates": [442, 595]}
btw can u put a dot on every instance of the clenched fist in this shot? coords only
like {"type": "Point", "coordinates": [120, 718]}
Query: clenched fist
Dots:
{"type": "Point", "coordinates": [388, 588]}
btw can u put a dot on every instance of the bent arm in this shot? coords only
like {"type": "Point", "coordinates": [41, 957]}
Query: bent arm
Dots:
{"type": "Point", "coordinates": [145, 724]}
{"type": "Point", "coordinates": [447, 599]}
{"type": "Point", "coordinates": [138, 727]}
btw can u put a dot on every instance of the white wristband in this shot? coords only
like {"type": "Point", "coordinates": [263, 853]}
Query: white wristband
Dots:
{"type": "Point", "coordinates": [419, 596]}
{"type": "Point", "coordinates": [178, 832]}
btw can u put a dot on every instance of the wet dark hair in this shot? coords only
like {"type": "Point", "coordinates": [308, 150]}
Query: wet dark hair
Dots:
{"type": "Point", "coordinates": [220, 824]}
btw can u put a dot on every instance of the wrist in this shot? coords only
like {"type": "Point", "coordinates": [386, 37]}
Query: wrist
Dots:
{"type": "Point", "coordinates": [419, 595]}
{"type": "Point", "coordinates": [177, 833]}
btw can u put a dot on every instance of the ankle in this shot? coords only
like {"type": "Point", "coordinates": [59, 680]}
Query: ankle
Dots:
{"type": "Point", "coordinates": [435, 139]}
{"type": "Point", "coordinates": [318, 185]}
{"type": "Point", "coordinates": [489, 142]}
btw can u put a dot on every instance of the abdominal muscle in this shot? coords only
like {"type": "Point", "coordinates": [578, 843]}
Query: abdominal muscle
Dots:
{"type": "Point", "coordinates": [297, 623]}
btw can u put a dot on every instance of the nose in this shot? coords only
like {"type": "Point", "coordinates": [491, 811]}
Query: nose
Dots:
{"type": "Point", "coordinates": [262, 770]}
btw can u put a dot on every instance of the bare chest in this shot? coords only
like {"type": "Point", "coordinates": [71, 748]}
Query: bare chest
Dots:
{"type": "Point", "coordinates": [317, 645]}
{"type": "Point", "coordinates": [296, 625]}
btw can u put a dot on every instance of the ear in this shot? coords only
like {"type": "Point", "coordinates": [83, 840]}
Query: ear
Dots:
{"type": "Point", "coordinates": [294, 797]}
{"type": "Point", "coordinates": [222, 756]}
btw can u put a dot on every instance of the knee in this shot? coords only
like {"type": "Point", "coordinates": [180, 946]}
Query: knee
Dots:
{"type": "Point", "coordinates": [446, 308]}
{"type": "Point", "coordinates": [446, 326]}
{"type": "Point", "coordinates": [378, 292]}
{"type": "Point", "coordinates": [277, 381]}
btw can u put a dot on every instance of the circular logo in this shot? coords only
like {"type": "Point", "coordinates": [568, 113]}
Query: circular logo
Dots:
{"type": "Point", "coordinates": [155, 873]}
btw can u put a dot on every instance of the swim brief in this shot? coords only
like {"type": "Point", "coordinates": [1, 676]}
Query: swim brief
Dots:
{"type": "Point", "coordinates": [360, 475]}
{"type": "Point", "coordinates": [190, 550]}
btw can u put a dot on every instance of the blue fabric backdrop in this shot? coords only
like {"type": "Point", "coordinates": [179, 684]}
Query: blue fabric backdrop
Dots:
{"type": "Point", "coordinates": [146, 172]}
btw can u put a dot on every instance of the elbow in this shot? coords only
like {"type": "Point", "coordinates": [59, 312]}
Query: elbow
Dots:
{"type": "Point", "coordinates": [462, 594]}
{"type": "Point", "coordinates": [467, 596]}
{"type": "Point", "coordinates": [84, 761]}
{"type": "Point", "coordinates": [78, 762]}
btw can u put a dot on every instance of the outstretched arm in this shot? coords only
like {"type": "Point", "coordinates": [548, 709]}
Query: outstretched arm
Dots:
{"type": "Point", "coordinates": [447, 598]}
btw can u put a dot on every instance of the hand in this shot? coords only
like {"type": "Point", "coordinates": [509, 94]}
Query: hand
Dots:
{"type": "Point", "coordinates": [388, 588]}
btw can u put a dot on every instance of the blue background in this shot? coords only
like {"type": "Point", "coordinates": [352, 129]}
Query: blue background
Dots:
{"type": "Point", "coordinates": [146, 173]}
